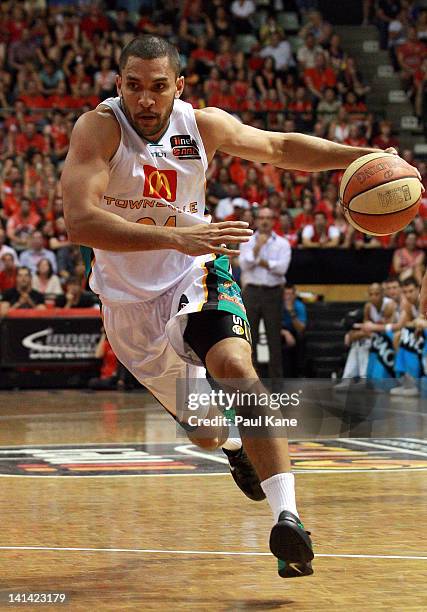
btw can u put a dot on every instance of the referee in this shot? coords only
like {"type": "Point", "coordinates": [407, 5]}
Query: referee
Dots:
{"type": "Point", "coordinates": [264, 261]}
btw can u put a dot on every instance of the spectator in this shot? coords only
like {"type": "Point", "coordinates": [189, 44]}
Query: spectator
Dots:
{"type": "Point", "coordinates": [22, 295]}
{"type": "Point", "coordinates": [284, 227]}
{"type": "Point", "coordinates": [108, 377]}
{"type": "Point", "coordinates": [294, 322]}
{"type": "Point", "coordinates": [242, 11]}
{"type": "Point", "coordinates": [31, 257]}
{"type": "Point", "coordinates": [384, 139]}
{"type": "Point", "coordinates": [306, 216]}
{"type": "Point", "coordinates": [410, 56]}
{"type": "Point", "coordinates": [6, 250]}
{"type": "Point", "coordinates": [328, 107]}
{"type": "Point", "coordinates": [30, 141]}
{"type": "Point", "coordinates": [75, 296]}
{"type": "Point", "coordinates": [306, 54]}
{"type": "Point", "coordinates": [21, 225]}
{"type": "Point", "coordinates": [105, 80]}
{"type": "Point", "coordinates": [46, 282]}
{"type": "Point", "coordinates": [320, 234]}
{"type": "Point", "coordinates": [409, 261]}
{"type": "Point", "coordinates": [386, 12]}
{"type": "Point", "coordinates": [7, 273]}
{"type": "Point", "coordinates": [280, 51]}
{"type": "Point", "coordinates": [320, 77]}
{"type": "Point", "coordinates": [264, 261]}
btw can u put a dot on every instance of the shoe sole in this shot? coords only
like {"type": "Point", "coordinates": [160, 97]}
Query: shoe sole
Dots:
{"type": "Point", "coordinates": [255, 494]}
{"type": "Point", "coordinates": [290, 543]}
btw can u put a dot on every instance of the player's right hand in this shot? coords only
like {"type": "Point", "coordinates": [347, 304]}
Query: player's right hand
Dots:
{"type": "Point", "coordinates": [205, 238]}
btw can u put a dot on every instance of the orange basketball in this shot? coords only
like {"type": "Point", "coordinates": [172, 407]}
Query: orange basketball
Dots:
{"type": "Point", "coordinates": [380, 193]}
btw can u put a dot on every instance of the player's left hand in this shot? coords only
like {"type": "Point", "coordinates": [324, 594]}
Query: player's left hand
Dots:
{"type": "Point", "coordinates": [367, 327]}
{"type": "Point", "coordinates": [394, 151]}
{"type": "Point", "coordinates": [391, 150]}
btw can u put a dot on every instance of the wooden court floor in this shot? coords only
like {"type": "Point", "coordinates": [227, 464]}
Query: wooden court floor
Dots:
{"type": "Point", "coordinates": [100, 501]}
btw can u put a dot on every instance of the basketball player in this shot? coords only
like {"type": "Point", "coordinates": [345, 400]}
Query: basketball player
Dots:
{"type": "Point", "coordinates": [134, 191]}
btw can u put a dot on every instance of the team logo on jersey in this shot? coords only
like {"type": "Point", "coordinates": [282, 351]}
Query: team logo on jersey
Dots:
{"type": "Point", "coordinates": [184, 147]}
{"type": "Point", "coordinates": [160, 184]}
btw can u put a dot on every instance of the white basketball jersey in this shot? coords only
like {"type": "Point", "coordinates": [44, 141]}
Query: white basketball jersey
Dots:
{"type": "Point", "coordinates": [163, 184]}
{"type": "Point", "coordinates": [375, 315]}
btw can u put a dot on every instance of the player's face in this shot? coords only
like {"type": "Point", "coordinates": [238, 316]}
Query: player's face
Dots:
{"type": "Point", "coordinates": [393, 290]}
{"type": "Point", "coordinates": [148, 89]}
{"type": "Point", "coordinates": [375, 295]}
{"type": "Point", "coordinates": [411, 293]}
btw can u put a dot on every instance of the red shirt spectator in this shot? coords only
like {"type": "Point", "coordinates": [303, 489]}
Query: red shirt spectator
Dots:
{"type": "Point", "coordinates": [8, 274]}
{"type": "Point", "coordinates": [412, 53]}
{"type": "Point", "coordinates": [94, 22]}
{"type": "Point", "coordinates": [320, 77]}
{"type": "Point", "coordinates": [30, 139]}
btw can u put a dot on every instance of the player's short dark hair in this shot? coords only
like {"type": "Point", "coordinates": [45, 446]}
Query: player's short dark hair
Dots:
{"type": "Point", "coordinates": [392, 279]}
{"type": "Point", "coordinates": [410, 281]}
{"type": "Point", "coordinates": [148, 46]}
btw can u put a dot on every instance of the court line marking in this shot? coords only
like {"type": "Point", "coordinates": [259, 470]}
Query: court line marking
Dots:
{"type": "Point", "coordinates": [202, 552]}
{"type": "Point", "coordinates": [186, 450]}
{"type": "Point", "coordinates": [397, 449]}
{"type": "Point", "coordinates": [191, 475]}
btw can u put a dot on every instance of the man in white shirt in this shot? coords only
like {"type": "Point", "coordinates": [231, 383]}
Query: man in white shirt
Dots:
{"type": "Point", "coordinates": [280, 51]}
{"type": "Point", "coordinates": [306, 54]}
{"type": "Point", "coordinates": [264, 261]}
{"type": "Point", "coordinates": [320, 235]}
{"type": "Point", "coordinates": [31, 257]}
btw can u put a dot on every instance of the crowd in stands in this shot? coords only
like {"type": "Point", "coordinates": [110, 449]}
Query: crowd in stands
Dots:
{"type": "Point", "coordinates": [59, 59]}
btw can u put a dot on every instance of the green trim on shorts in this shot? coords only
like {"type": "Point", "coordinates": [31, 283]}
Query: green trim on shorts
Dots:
{"type": "Point", "coordinates": [223, 292]}
{"type": "Point", "coordinates": [87, 255]}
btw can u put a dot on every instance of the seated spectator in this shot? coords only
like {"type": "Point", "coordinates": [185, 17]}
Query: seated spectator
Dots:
{"type": "Point", "coordinates": [105, 80]}
{"type": "Point", "coordinates": [33, 98]}
{"type": "Point", "coordinates": [283, 227]}
{"type": "Point", "coordinates": [355, 109]}
{"type": "Point", "coordinates": [281, 51]}
{"type": "Point", "coordinates": [45, 281]}
{"type": "Point", "coordinates": [320, 77]}
{"type": "Point", "coordinates": [242, 11]}
{"type": "Point", "coordinates": [31, 141]}
{"type": "Point", "coordinates": [410, 56]}
{"type": "Point", "coordinates": [31, 257]}
{"type": "Point", "coordinates": [22, 295]}
{"type": "Point", "coordinates": [108, 377]}
{"type": "Point", "coordinates": [225, 206]}
{"type": "Point", "coordinates": [302, 109]}
{"type": "Point", "coordinates": [21, 225]}
{"type": "Point", "coordinates": [306, 54]}
{"type": "Point", "coordinates": [75, 296]}
{"type": "Point", "coordinates": [306, 216]}
{"type": "Point", "coordinates": [294, 322]}
{"type": "Point", "coordinates": [7, 273]}
{"type": "Point", "coordinates": [5, 249]}
{"type": "Point", "coordinates": [268, 78]}
{"type": "Point", "coordinates": [350, 79]}
{"type": "Point", "coordinates": [320, 234]}
{"type": "Point", "coordinates": [384, 139]}
{"type": "Point", "coordinates": [339, 129]}
{"type": "Point", "coordinates": [328, 107]}
{"type": "Point", "coordinates": [420, 87]}
{"type": "Point", "coordinates": [409, 261]}
{"type": "Point", "coordinates": [50, 77]}
{"type": "Point", "coordinates": [239, 206]}
{"type": "Point", "coordinates": [355, 138]}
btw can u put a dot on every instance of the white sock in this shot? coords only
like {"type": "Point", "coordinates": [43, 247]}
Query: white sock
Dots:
{"type": "Point", "coordinates": [280, 492]}
{"type": "Point", "coordinates": [232, 444]}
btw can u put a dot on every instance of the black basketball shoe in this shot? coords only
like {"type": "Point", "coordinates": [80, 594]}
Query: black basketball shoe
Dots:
{"type": "Point", "coordinates": [291, 544]}
{"type": "Point", "coordinates": [244, 474]}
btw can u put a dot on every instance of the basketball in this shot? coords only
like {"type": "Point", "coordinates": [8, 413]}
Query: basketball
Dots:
{"type": "Point", "coordinates": [380, 193]}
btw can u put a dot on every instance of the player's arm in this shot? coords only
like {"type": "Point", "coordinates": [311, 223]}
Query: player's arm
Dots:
{"type": "Point", "coordinates": [423, 296]}
{"type": "Point", "coordinates": [387, 324]}
{"type": "Point", "coordinates": [222, 132]}
{"type": "Point", "coordinates": [84, 180]}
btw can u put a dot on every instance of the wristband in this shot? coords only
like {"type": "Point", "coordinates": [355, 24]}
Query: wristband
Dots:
{"type": "Point", "coordinates": [388, 327]}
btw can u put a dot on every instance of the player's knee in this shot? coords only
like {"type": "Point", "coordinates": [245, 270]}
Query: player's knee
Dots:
{"type": "Point", "coordinates": [208, 444]}
{"type": "Point", "coordinates": [236, 365]}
